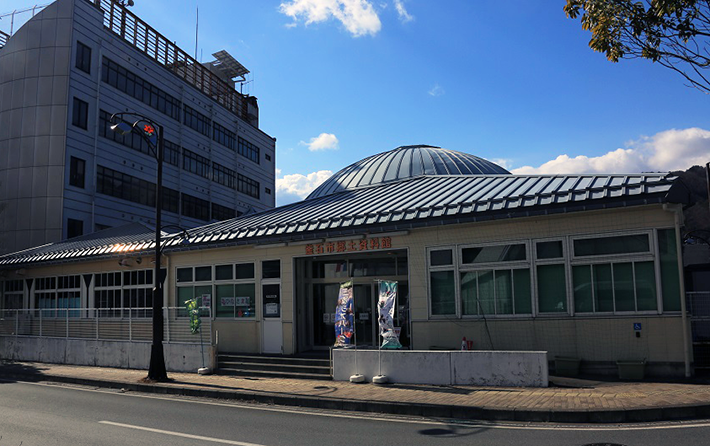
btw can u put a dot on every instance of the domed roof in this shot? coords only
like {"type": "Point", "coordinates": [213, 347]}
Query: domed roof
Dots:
{"type": "Point", "coordinates": [403, 163]}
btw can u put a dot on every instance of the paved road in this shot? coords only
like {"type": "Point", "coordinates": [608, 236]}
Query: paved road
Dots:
{"type": "Point", "coordinates": [51, 414]}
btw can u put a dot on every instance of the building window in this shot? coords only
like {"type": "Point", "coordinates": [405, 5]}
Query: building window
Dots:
{"type": "Point", "coordinates": [233, 285]}
{"type": "Point", "coordinates": [248, 150]}
{"type": "Point", "coordinates": [220, 212]}
{"type": "Point", "coordinates": [75, 228]}
{"type": "Point", "coordinates": [223, 175]}
{"type": "Point", "coordinates": [271, 269]}
{"type": "Point", "coordinates": [126, 294]}
{"type": "Point", "coordinates": [223, 136]}
{"type": "Point", "coordinates": [132, 140]}
{"type": "Point", "coordinates": [267, 156]}
{"type": "Point", "coordinates": [170, 200]}
{"type": "Point", "coordinates": [670, 279]}
{"type": "Point", "coordinates": [267, 190]}
{"type": "Point", "coordinates": [551, 277]}
{"type": "Point", "coordinates": [442, 286]}
{"type": "Point", "coordinates": [247, 186]}
{"type": "Point", "coordinates": [77, 172]}
{"type": "Point", "coordinates": [171, 153]}
{"type": "Point", "coordinates": [195, 163]}
{"type": "Point", "coordinates": [134, 86]}
{"type": "Point", "coordinates": [194, 207]}
{"type": "Point", "coordinates": [56, 295]}
{"type": "Point", "coordinates": [121, 185]}
{"type": "Point", "coordinates": [13, 295]}
{"type": "Point", "coordinates": [605, 282]}
{"type": "Point", "coordinates": [80, 114]}
{"type": "Point", "coordinates": [196, 120]}
{"type": "Point", "coordinates": [83, 57]}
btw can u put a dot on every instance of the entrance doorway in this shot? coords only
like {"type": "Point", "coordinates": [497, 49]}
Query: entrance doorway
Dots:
{"type": "Point", "coordinates": [319, 286]}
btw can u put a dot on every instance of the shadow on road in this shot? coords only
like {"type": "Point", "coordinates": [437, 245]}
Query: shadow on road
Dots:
{"type": "Point", "coordinates": [453, 431]}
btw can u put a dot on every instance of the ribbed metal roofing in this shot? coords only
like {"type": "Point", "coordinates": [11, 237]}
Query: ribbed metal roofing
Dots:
{"type": "Point", "coordinates": [417, 202]}
{"type": "Point", "coordinates": [403, 163]}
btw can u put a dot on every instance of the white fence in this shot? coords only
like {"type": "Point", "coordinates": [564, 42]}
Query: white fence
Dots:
{"type": "Point", "coordinates": [104, 324]}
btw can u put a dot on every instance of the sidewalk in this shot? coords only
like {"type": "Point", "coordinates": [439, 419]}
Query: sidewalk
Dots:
{"type": "Point", "coordinates": [567, 400]}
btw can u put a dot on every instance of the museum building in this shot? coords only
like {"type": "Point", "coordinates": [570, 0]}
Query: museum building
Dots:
{"type": "Point", "coordinates": [584, 266]}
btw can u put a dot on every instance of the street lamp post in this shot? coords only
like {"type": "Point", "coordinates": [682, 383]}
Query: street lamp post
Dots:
{"type": "Point", "coordinates": [147, 129]}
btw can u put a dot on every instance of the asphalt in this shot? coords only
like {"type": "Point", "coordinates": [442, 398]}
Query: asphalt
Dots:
{"type": "Point", "coordinates": [567, 400]}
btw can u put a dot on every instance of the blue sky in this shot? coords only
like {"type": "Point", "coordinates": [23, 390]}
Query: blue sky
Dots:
{"type": "Point", "coordinates": [513, 82]}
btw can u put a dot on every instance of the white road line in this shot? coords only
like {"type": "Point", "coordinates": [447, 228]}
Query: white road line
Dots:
{"type": "Point", "coordinates": [179, 434]}
{"type": "Point", "coordinates": [364, 415]}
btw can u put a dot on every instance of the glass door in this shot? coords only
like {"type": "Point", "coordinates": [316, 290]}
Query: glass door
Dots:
{"type": "Point", "coordinates": [365, 315]}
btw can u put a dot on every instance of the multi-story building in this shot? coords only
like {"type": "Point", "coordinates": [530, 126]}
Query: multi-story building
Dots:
{"type": "Point", "coordinates": [64, 173]}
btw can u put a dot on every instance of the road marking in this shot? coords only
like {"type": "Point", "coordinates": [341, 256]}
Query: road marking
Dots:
{"type": "Point", "coordinates": [364, 415]}
{"type": "Point", "coordinates": [180, 434]}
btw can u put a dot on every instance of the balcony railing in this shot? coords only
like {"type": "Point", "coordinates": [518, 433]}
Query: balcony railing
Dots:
{"type": "Point", "coordinates": [105, 324]}
{"type": "Point", "coordinates": [150, 42]}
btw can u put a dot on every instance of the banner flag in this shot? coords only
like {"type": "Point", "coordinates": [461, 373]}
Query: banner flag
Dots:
{"type": "Point", "coordinates": [344, 317]}
{"type": "Point", "coordinates": [194, 313]}
{"type": "Point", "coordinates": [385, 307]}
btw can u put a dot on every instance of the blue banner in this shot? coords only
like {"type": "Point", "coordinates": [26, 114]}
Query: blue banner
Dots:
{"type": "Point", "coordinates": [344, 317]}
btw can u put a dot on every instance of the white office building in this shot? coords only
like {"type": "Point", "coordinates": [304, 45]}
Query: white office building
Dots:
{"type": "Point", "coordinates": [64, 173]}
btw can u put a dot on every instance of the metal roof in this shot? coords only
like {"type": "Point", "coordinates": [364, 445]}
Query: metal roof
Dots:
{"type": "Point", "coordinates": [417, 202]}
{"type": "Point", "coordinates": [403, 163]}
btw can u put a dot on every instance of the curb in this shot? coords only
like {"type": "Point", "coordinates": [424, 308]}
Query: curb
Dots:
{"type": "Point", "coordinates": [641, 415]}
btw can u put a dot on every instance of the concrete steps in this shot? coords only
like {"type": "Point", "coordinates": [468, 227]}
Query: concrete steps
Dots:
{"type": "Point", "coordinates": [240, 364]}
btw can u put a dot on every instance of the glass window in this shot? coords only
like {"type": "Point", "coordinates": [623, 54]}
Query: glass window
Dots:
{"type": "Point", "coordinates": [236, 300]}
{"type": "Point", "coordinates": [443, 296]}
{"type": "Point", "coordinates": [489, 292]}
{"type": "Point", "coordinates": [80, 114]}
{"type": "Point", "coordinates": [491, 254]}
{"type": "Point", "coordinates": [75, 228]}
{"type": "Point", "coordinates": [184, 275]}
{"type": "Point", "coordinates": [330, 269]}
{"type": "Point", "coordinates": [245, 271]}
{"type": "Point", "coordinates": [203, 273]}
{"type": "Point", "coordinates": [441, 257]}
{"type": "Point", "coordinates": [271, 269]}
{"type": "Point", "coordinates": [645, 281]}
{"type": "Point", "coordinates": [551, 289]}
{"type": "Point", "coordinates": [615, 287]}
{"type": "Point", "coordinates": [77, 171]}
{"type": "Point", "coordinates": [549, 250]}
{"type": "Point", "coordinates": [623, 244]}
{"type": "Point", "coordinates": [83, 57]}
{"type": "Point", "coordinates": [223, 272]}
{"type": "Point", "coordinates": [670, 281]}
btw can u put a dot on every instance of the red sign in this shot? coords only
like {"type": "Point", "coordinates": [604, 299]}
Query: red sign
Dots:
{"type": "Point", "coordinates": [349, 246]}
{"type": "Point", "coordinates": [149, 130]}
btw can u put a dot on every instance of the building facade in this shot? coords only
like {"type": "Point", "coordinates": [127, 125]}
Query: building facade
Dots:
{"type": "Point", "coordinates": [64, 173]}
{"type": "Point", "coordinates": [583, 266]}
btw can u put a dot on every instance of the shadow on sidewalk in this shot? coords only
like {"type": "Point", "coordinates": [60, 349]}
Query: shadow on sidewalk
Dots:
{"type": "Point", "coordinates": [10, 370]}
{"type": "Point", "coordinates": [450, 389]}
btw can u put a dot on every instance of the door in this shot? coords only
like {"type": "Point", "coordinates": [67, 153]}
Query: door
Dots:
{"type": "Point", "coordinates": [272, 331]}
{"type": "Point", "coordinates": [365, 315]}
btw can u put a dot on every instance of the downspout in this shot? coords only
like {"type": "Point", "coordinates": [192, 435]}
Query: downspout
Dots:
{"type": "Point", "coordinates": [677, 212]}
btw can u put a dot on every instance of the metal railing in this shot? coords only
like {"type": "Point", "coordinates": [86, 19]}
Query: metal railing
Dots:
{"type": "Point", "coordinates": [150, 42]}
{"type": "Point", "coordinates": [4, 37]}
{"type": "Point", "coordinates": [105, 324]}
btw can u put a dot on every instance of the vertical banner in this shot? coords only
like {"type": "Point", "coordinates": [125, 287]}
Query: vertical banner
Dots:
{"type": "Point", "coordinates": [385, 307]}
{"type": "Point", "coordinates": [194, 312]}
{"type": "Point", "coordinates": [344, 317]}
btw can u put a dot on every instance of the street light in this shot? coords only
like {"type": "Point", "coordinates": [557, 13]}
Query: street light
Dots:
{"type": "Point", "coordinates": [147, 129]}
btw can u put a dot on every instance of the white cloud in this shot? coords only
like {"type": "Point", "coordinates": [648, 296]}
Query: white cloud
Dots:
{"type": "Point", "coordinates": [358, 16]}
{"type": "Point", "coordinates": [296, 187]}
{"type": "Point", "coordinates": [324, 141]}
{"type": "Point", "coordinates": [665, 151]}
{"type": "Point", "coordinates": [404, 16]}
{"type": "Point", "coordinates": [436, 90]}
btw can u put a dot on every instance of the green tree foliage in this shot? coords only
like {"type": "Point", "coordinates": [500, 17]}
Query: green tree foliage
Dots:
{"type": "Point", "coordinates": [673, 33]}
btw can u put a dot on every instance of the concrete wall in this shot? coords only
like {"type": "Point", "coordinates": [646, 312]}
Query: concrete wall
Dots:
{"type": "Point", "coordinates": [128, 355]}
{"type": "Point", "coordinates": [479, 368]}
